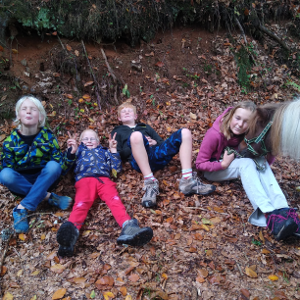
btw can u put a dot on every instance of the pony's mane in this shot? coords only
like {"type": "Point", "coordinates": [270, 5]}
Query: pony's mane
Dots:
{"type": "Point", "coordinates": [289, 134]}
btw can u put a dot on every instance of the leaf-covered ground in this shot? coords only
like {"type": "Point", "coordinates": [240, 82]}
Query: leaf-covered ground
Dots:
{"type": "Point", "coordinates": [203, 247]}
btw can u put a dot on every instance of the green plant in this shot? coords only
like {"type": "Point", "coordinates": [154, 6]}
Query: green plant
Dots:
{"type": "Point", "coordinates": [125, 91]}
{"type": "Point", "coordinates": [293, 84]}
{"type": "Point", "coordinates": [207, 68]}
{"type": "Point", "coordinates": [256, 242]}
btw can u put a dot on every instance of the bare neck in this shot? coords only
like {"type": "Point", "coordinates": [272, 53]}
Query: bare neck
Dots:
{"type": "Point", "coordinates": [29, 130]}
{"type": "Point", "coordinates": [129, 124]}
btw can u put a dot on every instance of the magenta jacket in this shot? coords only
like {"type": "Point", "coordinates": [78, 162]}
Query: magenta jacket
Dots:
{"type": "Point", "coordinates": [213, 145]}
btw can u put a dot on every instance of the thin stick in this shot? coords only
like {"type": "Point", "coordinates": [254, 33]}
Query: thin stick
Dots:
{"type": "Point", "coordinates": [4, 252]}
{"type": "Point", "coordinates": [207, 210]}
{"type": "Point", "coordinates": [239, 269]}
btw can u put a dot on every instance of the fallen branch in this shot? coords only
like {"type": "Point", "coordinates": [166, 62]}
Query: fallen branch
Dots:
{"type": "Point", "coordinates": [110, 69]}
{"type": "Point", "coordinates": [274, 36]}
{"type": "Point", "coordinates": [97, 87]}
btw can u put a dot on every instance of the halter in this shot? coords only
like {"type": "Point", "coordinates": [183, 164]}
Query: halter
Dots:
{"type": "Point", "coordinates": [256, 140]}
{"type": "Point", "coordinates": [259, 139]}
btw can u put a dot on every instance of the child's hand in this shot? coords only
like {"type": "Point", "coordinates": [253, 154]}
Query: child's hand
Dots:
{"type": "Point", "coordinates": [112, 143]}
{"type": "Point", "coordinates": [227, 159]}
{"type": "Point", "coordinates": [151, 141]}
{"type": "Point", "coordinates": [71, 142]}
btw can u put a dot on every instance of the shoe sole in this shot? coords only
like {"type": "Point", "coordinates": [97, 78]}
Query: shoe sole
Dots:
{"type": "Point", "coordinates": [148, 204]}
{"type": "Point", "coordinates": [65, 235]}
{"type": "Point", "coordinates": [286, 231]}
{"type": "Point", "coordinates": [143, 237]}
{"type": "Point", "coordinates": [203, 194]}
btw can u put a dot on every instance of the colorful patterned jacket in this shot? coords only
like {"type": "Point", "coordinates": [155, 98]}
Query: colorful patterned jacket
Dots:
{"type": "Point", "coordinates": [19, 156]}
{"type": "Point", "coordinates": [96, 162]}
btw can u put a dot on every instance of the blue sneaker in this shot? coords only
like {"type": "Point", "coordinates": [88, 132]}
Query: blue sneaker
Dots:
{"type": "Point", "coordinates": [62, 202]}
{"type": "Point", "coordinates": [21, 224]}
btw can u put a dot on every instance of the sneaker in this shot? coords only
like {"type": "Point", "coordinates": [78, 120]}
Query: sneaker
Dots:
{"type": "Point", "coordinates": [295, 217]}
{"type": "Point", "coordinates": [67, 236]}
{"type": "Point", "coordinates": [62, 202]}
{"type": "Point", "coordinates": [281, 223]}
{"type": "Point", "coordinates": [21, 224]}
{"type": "Point", "coordinates": [133, 235]}
{"type": "Point", "coordinates": [152, 189]}
{"type": "Point", "coordinates": [193, 185]}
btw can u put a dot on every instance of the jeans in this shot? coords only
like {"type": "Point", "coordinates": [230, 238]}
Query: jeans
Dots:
{"type": "Point", "coordinates": [33, 186]}
{"type": "Point", "coordinates": [261, 187]}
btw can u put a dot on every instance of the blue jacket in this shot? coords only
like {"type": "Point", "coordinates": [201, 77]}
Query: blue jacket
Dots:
{"type": "Point", "coordinates": [97, 162]}
{"type": "Point", "coordinates": [19, 156]}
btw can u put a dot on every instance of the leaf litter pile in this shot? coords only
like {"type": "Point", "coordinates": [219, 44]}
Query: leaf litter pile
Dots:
{"type": "Point", "coordinates": [203, 246]}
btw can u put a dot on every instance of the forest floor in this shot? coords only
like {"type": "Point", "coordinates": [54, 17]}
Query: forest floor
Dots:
{"type": "Point", "coordinates": [203, 246]}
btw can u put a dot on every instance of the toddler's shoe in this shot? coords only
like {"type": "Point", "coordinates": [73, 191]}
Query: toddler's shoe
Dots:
{"type": "Point", "coordinates": [151, 189]}
{"type": "Point", "coordinates": [133, 235]}
{"type": "Point", "coordinates": [282, 223]}
{"type": "Point", "coordinates": [21, 224]}
{"type": "Point", "coordinates": [67, 236]}
{"type": "Point", "coordinates": [193, 185]}
{"type": "Point", "coordinates": [62, 202]}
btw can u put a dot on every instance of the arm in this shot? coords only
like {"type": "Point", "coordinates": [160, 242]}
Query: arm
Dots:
{"type": "Point", "coordinates": [115, 157]}
{"type": "Point", "coordinates": [208, 147]}
{"type": "Point", "coordinates": [7, 156]}
{"type": "Point", "coordinates": [153, 135]}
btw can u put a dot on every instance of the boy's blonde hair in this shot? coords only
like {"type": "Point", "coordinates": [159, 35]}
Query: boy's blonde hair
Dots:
{"type": "Point", "coordinates": [225, 125]}
{"type": "Point", "coordinates": [86, 130]}
{"type": "Point", "coordinates": [126, 105]}
{"type": "Point", "coordinates": [38, 104]}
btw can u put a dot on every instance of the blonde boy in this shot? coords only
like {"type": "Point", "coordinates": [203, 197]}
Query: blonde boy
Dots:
{"type": "Point", "coordinates": [147, 152]}
{"type": "Point", "coordinates": [92, 174]}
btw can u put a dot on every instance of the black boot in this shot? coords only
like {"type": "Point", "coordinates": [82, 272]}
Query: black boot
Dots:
{"type": "Point", "coordinates": [133, 235]}
{"type": "Point", "coordinates": [67, 236]}
{"type": "Point", "coordinates": [282, 224]}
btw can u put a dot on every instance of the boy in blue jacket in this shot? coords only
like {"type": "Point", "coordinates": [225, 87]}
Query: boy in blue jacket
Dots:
{"type": "Point", "coordinates": [92, 174]}
{"type": "Point", "coordinates": [32, 161]}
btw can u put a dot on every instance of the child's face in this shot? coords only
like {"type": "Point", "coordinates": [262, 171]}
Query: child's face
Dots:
{"type": "Point", "coordinates": [29, 114]}
{"type": "Point", "coordinates": [127, 115]}
{"type": "Point", "coordinates": [239, 121]}
{"type": "Point", "coordinates": [89, 138]}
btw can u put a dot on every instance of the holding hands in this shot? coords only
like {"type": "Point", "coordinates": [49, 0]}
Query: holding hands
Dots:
{"type": "Point", "coordinates": [112, 143]}
{"type": "Point", "coordinates": [71, 142]}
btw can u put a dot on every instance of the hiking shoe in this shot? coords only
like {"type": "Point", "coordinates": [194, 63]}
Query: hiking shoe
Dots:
{"type": "Point", "coordinates": [294, 215]}
{"type": "Point", "coordinates": [21, 224]}
{"type": "Point", "coordinates": [62, 202]}
{"type": "Point", "coordinates": [67, 236]}
{"type": "Point", "coordinates": [193, 185]}
{"type": "Point", "coordinates": [281, 223]}
{"type": "Point", "coordinates": [152, 189]}
{"type": "Point", "coordinates": [133, 235]}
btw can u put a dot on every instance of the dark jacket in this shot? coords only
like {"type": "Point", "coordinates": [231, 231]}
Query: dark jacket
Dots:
{"type": "Point", "coordinates": [123, 133]}
{"type": "Point", "coordinates": [21, 157]}
{"type": "Point", "coordinates": [97, 162]}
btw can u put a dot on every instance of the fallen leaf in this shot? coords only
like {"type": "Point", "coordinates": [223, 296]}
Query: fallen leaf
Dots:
{"type": "Point", "coordinates": [246, 293]}
{"type": "Point", "coordinates": [69, 48]}
{"type": "Point", "coordinates": [58, 269]}
{"type": "Point", "coordinates": [59, 294]}
{"type": "Point", "coordinates": [159, 64]}
{"type": "Point", "coordinates": [33, 298]}
{"type": "Point", "coordinates": [14, 51]}
{"type": "Point", "coordinates": [3, 271]}
{"type": "Point", "coordinates": [265, 251]}
{"type": "Point", "coordinates": [51, 255]}
{"type": "Point", "coordinates": [54, 33]}
{"type": "Point", "coordinates": [22, 236]}
{"type": "Point", "coordinates": [86, 97]}
{"type": "Point", "coordinates": [43, 236]}
{"type": "Point", "coordinates": [250, 272]}
{"type": "Point", "coordinates": [273, 277]}
{"type": "Point", "coordinates": [128, 297]}
{"type": "Point", "coordinates": [76, 53]}
{"type": "Point", "coordinates": [35, 273]}
{"type": "Point", "coordinates": [108, 295]}
{"type": "Point", "coordinates": [88, 83]}
{"type": "Point", "coordinates": [3, 98]}
{"type": "Point", "coordinates": [134, 277]}
{"type": "Point", "coordinates": [1, 49]}
{"type": "Point", "coordinates": [8, 296]}
{"type": "Point", "coordinates": [123, 290]}
{"type": "Point", "coordinates": [93, 294]}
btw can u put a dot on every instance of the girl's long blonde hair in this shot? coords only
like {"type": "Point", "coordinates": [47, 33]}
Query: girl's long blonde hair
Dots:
{"type": "Point", "coordinates": [225, 122]}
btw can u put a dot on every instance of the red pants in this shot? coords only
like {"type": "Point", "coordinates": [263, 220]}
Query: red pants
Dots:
{"type": "Point", "coordinates": [87, 190]}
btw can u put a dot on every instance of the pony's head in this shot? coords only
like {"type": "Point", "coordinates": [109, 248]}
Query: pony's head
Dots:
{"type": "Point", "coordinates": [283, 137]}
{"type": "Point", "coordinates": [258, 137]}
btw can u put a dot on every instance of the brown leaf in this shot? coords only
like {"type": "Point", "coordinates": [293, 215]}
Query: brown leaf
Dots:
{"type": "Point", "coordinates": [58, 269]}
{"type": "Point", "coordinates": [14, 51]}
{"type": "Point", "coordinates": [1, 49]}
{"type": "Point", "coordinates": [59, 294]}
{"type": "Point", "coordinates": [69, 48]}
{"type": "Point", "coordinates": [51, 255]}
{"type": "Point", "coordinates": [246, 293]}
{"type": "Point", "coordinates": [104, 282]}
{"type": "Point", "coordinates": [88, 83]}
{"type": "Point", "coordinates": [54, 33]}
{"type": "Point", "coordinates": [3, 271]}
{"type": "Point", "coordinates": [203, 273]}
{"type": "Point", "coordinates": [159, 64]}
{"type": "Point", "coordinates": [134, 277]}
{"type": "Point", "coordinates": [123, 290]}
{"type": "Point", "coordinates": [200, 279]}
{"type": "Point", "coordinates": [250, 272]}
{"type": "Point", "coordinates": [76, 53]}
